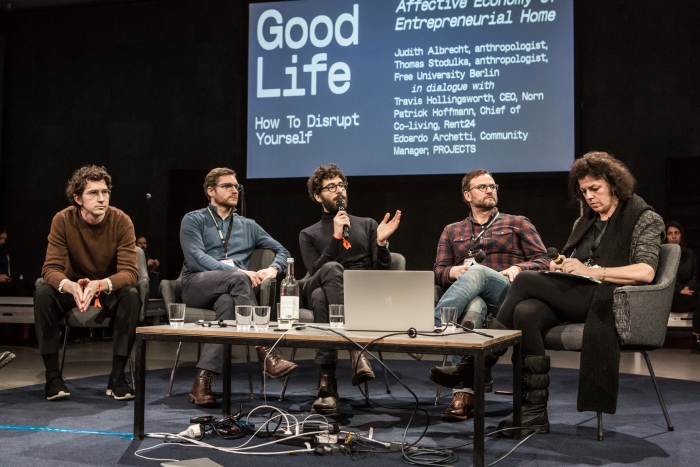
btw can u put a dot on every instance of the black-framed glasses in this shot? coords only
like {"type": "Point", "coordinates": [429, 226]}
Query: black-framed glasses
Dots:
{"type": "Point", "coordinates": [230, 186]}
{"type": "Point", "coordinates": [333, 187]}
{"type": "Point", "coordinates": [94, 194]}
{"type": "Point", "coordinates": [483, 188]}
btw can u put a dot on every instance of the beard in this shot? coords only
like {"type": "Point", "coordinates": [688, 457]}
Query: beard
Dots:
{"type": "Point", "coordinates": [331, 205]}
{"type": "Point", "coordinates": [486, 203]}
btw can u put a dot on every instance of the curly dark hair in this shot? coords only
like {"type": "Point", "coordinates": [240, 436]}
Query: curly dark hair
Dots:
{"type": "Point", "coordinates": [680, 229]}
{"type": "Point", "coordinates": [212, 177]}
{"type": "Point", "coordinates": [468, 178]}
{"type": "Point", "coordinates": [325, 172]}
{"type": "Point", "coordinates": [602, 166]}
{"type": "Point", "coordinates": [88, 173]}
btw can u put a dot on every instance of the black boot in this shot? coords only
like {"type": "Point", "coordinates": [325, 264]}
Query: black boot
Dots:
{"type": "Point", "coordinates": [327, 400]}
{"type": "Point", "coordinates": [535, 383]}
{"type": "Point", "coordinates": [461, 375]}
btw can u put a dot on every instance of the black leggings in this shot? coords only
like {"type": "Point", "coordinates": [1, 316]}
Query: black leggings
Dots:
{"type": "Point", "coordinates": [537, 302]}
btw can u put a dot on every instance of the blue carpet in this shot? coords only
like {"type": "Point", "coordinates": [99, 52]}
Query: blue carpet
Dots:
{"type": "Point", "coordinates": [636, 435]}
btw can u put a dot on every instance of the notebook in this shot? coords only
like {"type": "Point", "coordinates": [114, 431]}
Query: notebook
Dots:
{"type": "Point", "coordinates": [389, 301]}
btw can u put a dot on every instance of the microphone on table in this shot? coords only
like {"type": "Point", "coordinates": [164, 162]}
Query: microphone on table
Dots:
{"type": "Point", "coordinates": [340, 204]}
{"type": "Point", "coordinates": [554, 255]}
{"type": "Point", "coordinates": [480, 256]}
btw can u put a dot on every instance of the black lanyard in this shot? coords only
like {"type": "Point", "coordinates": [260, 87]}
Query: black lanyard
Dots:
{"type": "Point", "coordinates": [221, 234]}
{"type": "Point", "coordinates": [596, 241]}
{"type": "Point", "coordinates": [472, 244]}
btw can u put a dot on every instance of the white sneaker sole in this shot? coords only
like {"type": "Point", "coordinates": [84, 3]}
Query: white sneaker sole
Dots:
{"type": "Point", "coordinates": [60, 395]}
{"type": "Point", "coordinates": [127, 397]}
{"type": "Point", "coordinates": [7, 360]}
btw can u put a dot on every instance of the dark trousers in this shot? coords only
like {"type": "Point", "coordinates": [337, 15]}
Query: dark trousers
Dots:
{"type": "Point", "coordinates": [220, 291]}
{"type": "Point", "coordinates": [323, 288]}
{"type": "Point", "coordinates": [537, 302]}
{"type": "Point", "coordinates": [50, 306]}
{"type": "Point", "coordinates": [685, 304]}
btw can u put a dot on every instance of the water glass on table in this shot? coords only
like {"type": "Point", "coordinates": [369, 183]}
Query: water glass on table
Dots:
{"type": "Point", "coordinates": [244, 316]}
{"type": "Point", "coordinates": [448, 316]}
{"type": "Point", "coordinates": [176, 314]}
{"type": "Point", "coordinates": [336, 314]}
{"type": "Point", "coordinates": [261, 318]}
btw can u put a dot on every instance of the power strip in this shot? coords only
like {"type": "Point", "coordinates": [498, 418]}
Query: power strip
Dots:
{"type": "Point", "coordinates": [292, 440]}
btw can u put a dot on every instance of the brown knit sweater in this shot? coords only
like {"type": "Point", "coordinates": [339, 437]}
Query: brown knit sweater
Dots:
{"type": "Point", "coordinates": [79, 250]}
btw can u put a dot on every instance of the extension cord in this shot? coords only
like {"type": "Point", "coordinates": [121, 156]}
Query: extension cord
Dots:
{"type": "Point", "coordinates": [193, 431]}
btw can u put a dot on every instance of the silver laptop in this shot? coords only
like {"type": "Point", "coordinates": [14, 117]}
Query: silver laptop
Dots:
{"type": "Point", "coordinates": [389, 301]}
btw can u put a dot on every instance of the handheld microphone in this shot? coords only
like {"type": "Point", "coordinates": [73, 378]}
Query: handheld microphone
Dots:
{"type": "Point", "coordinates": [554, 255]}
{"type": "Point", "coordinates": [480, 256]}
{"type": "Point", "coordinates": [341, 207]}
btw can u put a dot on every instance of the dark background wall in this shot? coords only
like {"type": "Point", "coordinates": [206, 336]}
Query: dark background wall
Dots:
{"type": "Point", "coordinates": [156, 91]}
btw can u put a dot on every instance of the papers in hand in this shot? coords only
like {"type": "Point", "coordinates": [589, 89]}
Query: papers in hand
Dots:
{"type": "Point", "coordinates": [566, 274]}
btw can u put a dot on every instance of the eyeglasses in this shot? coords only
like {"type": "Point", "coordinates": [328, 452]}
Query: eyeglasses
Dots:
{"type": "Point", "coordinates": [332, 187]}
{"type": "Point", "coordinates": [483, 188]}
{"type": "Point", "coordinates": [230, 186]}
{"type": "Point", "coordinates": [94, 194]}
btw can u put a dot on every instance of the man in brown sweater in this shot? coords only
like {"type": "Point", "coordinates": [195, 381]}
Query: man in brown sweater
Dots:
{"type": "Point", "coordinates": [91, 254]}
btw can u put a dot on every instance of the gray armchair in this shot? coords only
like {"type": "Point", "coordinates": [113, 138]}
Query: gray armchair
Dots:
{"type": "Point", "coordinates": [171, 290]}
{"type": "Point", "coordinates": [641, 323]}
{"type": "Point", "coordinates": [95, 318]}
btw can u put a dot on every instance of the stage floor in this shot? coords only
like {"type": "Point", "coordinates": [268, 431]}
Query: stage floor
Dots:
{"type": "Point", "coordinates": [94, 358]}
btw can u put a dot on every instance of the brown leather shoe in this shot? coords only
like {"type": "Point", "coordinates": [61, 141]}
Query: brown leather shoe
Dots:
{"type": "Point", "coordinates": [275, 366]}
{"type": "Point", "coordinates": [461, 408]}
{"type": "Point", "coordinates": [201, 389]}
{"type": "Point", "coordinates": [326, 402]}
{"type": "Point", "coordinates": [415, 355]}
{"type": "Point", "coordinates": [363, 372]}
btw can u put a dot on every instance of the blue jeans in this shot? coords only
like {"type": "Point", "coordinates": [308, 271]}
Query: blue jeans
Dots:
{"type": "Point", "coordinates": [472, 293]}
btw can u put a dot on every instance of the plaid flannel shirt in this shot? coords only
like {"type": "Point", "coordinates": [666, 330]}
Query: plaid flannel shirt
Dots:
{"type": "Point", "coordinates": [510, 241]}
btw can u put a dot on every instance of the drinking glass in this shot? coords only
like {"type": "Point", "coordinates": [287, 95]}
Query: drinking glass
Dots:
{"type": "Point", "coordinates": [176, 314]}
{"type": "Point", "coordinates": [244, 315]}
{"type": "Point", "coordinates": [337, 316]}
{"type": "Point", "coordinates": [448, 316]}
{"type": "Point", "coordinates": [261, 318]}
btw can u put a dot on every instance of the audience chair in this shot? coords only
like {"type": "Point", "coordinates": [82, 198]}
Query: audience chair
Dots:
{"type": "Point", "coordinates": [649, 305]}
{"type": "Point", "coordinates": [171, 290]}
{"type": "Point", "coordinates": [97, 318]}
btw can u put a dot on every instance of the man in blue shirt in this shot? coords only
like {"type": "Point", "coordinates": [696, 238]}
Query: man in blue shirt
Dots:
{"type": "Point", "coordinates": [217, 244]}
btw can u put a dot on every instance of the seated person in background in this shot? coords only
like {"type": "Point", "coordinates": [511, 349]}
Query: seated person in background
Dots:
{"type": "Point", "coordinates": [685, 297]}
{"type": "Point", "coordinates": [326, 254]}
{"type": "Point", "coordinates": [143, 244]}
{"type": "Point", "coordinates": [616, 241]}
{"type": "Point", "coordinates": [91, 253]}
{"type": "Point", "coordinates": [217, 244]}
{"type": "Point", "coordinates": [4, 258]}
{"type": "Point", "coordinates": [511, 244]}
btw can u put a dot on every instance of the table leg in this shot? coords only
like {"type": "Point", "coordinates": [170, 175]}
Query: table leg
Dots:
{"type": "Point", "coordinates": [140, 389]}
{"type": "Point", "coordinates": [478, 454]}
{"type": "Point", "coordinates": [226, 376]}
{"type": "Point", "coordinates": [517, 388]}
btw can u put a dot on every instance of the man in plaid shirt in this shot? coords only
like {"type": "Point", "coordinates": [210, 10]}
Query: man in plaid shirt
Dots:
{"type": "Point", "coordinates": [511, 245]}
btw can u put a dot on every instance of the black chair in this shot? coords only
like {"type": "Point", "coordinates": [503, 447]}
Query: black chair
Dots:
{"type": "Point", "coordinates": [398, 263]}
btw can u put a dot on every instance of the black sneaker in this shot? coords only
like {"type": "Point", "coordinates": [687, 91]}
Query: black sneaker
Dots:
{"type": "Point", "coordinates": [695, 348]}
{"type": "Point", "coordinates": [120, 389]}
{"type": "Point", "coordinates": [5, 358]}
{"type": "Point", "coordinates": [55, 389]}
